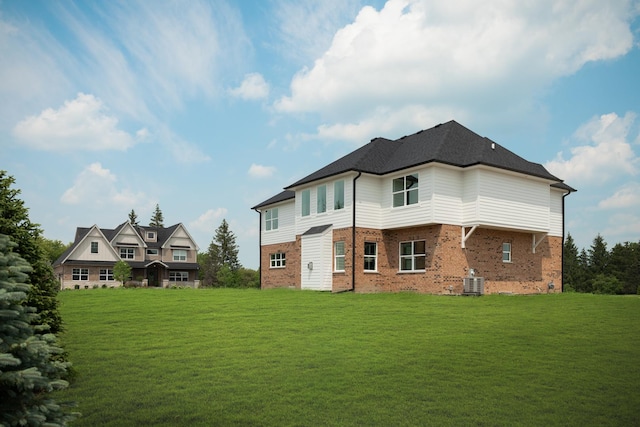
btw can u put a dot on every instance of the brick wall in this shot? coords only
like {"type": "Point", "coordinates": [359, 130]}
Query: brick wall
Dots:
{"type": "Point", "coordinates": [286, 277]}
{"type": "Point", "coordinates": [447, 263]}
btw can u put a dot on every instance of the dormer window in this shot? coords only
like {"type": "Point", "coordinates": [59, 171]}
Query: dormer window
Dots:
{"type": "Point", "coordinates": [151, 235]}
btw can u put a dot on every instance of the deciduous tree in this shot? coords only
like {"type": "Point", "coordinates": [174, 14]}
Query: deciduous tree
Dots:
{"type": "Point", "coordinates": [121, 271]}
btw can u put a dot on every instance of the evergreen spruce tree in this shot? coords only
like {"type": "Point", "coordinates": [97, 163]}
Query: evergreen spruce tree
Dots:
{"type": "Point", "coordinates": [133, 218]}
{"type": "Point", "coordinates": [570, 265]}
{"type": "Point", "coordinates": [223, 251]}
{"type": "Point", "coordinates": [598, 257]}
{"type": "Point", "coordinates": [15, 223]}
{"type": "Point", "coordinates": [28, 370]}
{"type": "Point", "coordinates": [157, 219]}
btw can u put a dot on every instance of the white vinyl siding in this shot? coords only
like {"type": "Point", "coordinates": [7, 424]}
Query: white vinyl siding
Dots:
{"type": "Point", "coordinates": [511, 201]}
{"type": "Point", "coordinates": [286, 231]}
{"type": "Point", "coordinates": [340, 218]}
{"type": "Point", "coordinates": [446, 201]}
{"type": "Point", "coordinates": [317, 253]}
{"type": "Point", "coordinates": [555, 218]}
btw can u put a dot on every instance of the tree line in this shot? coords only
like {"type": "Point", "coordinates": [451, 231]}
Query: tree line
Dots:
{"type": "Point", "coordinates": [599, 270]}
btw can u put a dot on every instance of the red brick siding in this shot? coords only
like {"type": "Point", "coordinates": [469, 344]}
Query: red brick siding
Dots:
{"type": "Point", "coordinates": [447, 263]}
{"type": "Point", "coordinates": [286, 277]}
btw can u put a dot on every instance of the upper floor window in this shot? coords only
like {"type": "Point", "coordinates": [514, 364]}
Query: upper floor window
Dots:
{"type": "Point", "coordinates": [370, 256]}
{"type": "Point", "coordinates": [271, 219]}
{"type": "Point", "coordinates": [94, 247]}
{"type": "Point", "coordinates": [127, 253]}
{"type": "Point", "coordinates": [321, 197]}
{"type": "Point", "coordinates": [179, 255]}
{"type": "Point", "coordinates": [506, 252]}
{"type": "Point", "coordinates": [151, 235]}
{"type": "Point", "coordinates": [338, 250]}
{"type": "Point", "coordinates": [306, 202]}
{"type": "Point", "coordinates": [405, 190]}
{"type": "Point", "coordinates": [412, 255]}
{"type": "Point", "coordinates": [277, 260]}
{"type": "Point", "coordinates": [152, 251]}
{"type": "Point", "coordinates": [338, 195]}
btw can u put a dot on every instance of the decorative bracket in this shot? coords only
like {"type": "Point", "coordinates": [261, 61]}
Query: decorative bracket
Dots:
{"type": "Point", "coordinates": [466, 235]}
{"type": "Point", "coordinates": [537, 239]}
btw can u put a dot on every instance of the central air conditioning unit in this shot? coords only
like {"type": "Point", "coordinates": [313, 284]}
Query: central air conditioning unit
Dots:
{"type": "Point", "coordinates": [473, 285]}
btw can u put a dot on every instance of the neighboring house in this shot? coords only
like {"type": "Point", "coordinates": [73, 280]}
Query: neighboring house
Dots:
{"type": "Point", "coordinates": [442, 211]}
{"type": "Point", "coordinates": [158, 256]}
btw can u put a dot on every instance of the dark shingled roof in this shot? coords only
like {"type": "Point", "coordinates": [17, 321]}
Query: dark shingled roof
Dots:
{"type": "Point", "coordinates": [317, 229]}
{"type": "Point", "coordinates": [449, 143]}
{"type": "Point", "coordinates": [284, 195]}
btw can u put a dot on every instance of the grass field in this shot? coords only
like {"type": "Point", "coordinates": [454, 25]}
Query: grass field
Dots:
{"type": "Point", "coordinates": [292, 358]}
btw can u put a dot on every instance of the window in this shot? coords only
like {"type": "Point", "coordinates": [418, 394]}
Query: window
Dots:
{"type": "Point", "coordinates": [80, 274]}
{"type": "Point", "coordinates": [271, 219]}
{"type": "Point", "coordinates": [152, 252]}
{"type": "Point", "coordinates": [106, 274]}
{"type": "Point", "coordinates": [94, 247]}
{"type": "Point", "coordinates": [338, 249]}
{"type": "Point", "coordinates": [306, 202]}
{"type": "Point", "coordinates": [321, 197]}
{"type": "Point", "coordinates": [277, 260]}
{"type": "Point", "coordinates": [127, 253]}
{"type": "Point", "coordinates": [506, 252]}
{"type": "Point", "coordinates": [405, 190]}
{"type": "Point", "coordinates": [370, 256]}
{"type": "Point", "coordinates": [179, 255]}
{"type": "Point", "coordinates": [412, 255]}
{"type": "Point", "coordinates": [338, 195]}
{"type": "Point", "coordinates": [151, 235]}
{"type": "Point", "coordinates": [178, 276]}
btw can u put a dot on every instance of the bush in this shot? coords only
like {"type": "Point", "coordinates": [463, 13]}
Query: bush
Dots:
{"type": "Point", "coordinates": [609, 285]}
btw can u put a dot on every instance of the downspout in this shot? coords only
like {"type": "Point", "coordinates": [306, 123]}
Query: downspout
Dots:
{"type": "Point", "coordinates": [562, 252]}
{"type": "Point", "coordinates": [259, 247]}
{"type": "Point", "coordinates": [353, 236]}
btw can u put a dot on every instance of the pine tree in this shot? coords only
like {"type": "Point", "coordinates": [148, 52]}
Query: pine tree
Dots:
{"type": "Point", "coordinates": [223, 251]}
{"type": "Point", "coordinates": [133, 218]}
{"type": "Point", "coordinates": [157, 219]}
{"type": "Point", "coordinates": [28, 370]}
{"type": "Point", "coordinates": [598, 257]}
{"type": "Point", "coordinates": [571, 265]}
{"type": "Point", "coordinates": [15, 223]}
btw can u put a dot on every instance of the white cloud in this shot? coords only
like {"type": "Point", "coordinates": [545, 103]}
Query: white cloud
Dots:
{"type": "Point", "coordinates": [469, 55]}
{"type": "Point", "coordinates": [96, 187]}
{"type": "Point", "coordinates": [208, 221]}
{"type": "Point", "coordinates": [626, 197]}
{"type": "Point", "coordinates": [80, 124]}
{"type": "Point", "coordinates": [607, 155]}
{"type": "Point", "coordinates": [260, 171]}
{"type": "Point", "coordinates": [252, 87]}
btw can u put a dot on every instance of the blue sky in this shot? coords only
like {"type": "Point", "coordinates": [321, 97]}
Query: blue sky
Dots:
{"type": "Point", "coordinates": [210, 107]}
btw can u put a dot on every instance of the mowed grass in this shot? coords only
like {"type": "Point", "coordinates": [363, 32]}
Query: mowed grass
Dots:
{"type": "Point", "coordinates": [295, 358]}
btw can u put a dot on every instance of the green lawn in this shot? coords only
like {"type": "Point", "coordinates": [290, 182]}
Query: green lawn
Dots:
{"type": "Point", "coordinates": [293, 358]}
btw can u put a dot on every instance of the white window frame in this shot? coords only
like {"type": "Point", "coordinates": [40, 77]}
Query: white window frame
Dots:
{"type": "Point", "coordinates": [409, 190]}
{"type": "Point", "coordinates": [413, 256]}
{"type": "Point", "coordinates": [277, 260]}
{"type": "Point", "coordinates": [106, 274]}
{"type": "Point", "coordinates": [271, 219]}
{"type": "Point", "coordinates": [179, 255]}
{"type": "Point", "coordinates": [338, 254]}
{"type": "Point", "coordinates": [338, 190]}
{"type": "Point", "coordinates": [80, 274]}
{"type": "Point", "coordinates": [370, 257]}
{"type": "Point", "coordinates": [178, 276]}
{"type": "Point", "coordinates": [127, 253]}
{"type": "Point", "coordinates": [94, 247]}
{"type": "Point", "coordinates": [321, 199]}
{"type": "Point", "coordinates": [506, 252]}
{"type": "Point", "coordinates": [151, 235]}
{"type": "Point", "coordinates": [305, 203]}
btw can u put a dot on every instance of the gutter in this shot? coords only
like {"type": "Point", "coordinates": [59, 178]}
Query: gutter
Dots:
{"type": "Point", "coordinates": [562, 251]}
{"type": "Point", "coordinates": [353, 236]}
